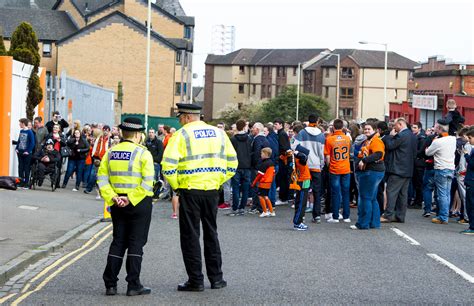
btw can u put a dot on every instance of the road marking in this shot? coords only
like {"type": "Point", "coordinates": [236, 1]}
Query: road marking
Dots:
{"type": "Point", "coordinates": [60, 260]}
{"type": "Point", "coordinates": [28, 207]}
{"type": "Point", "coordinates": [460, 272]}
{"type": "Point", "coordinates": [59, 270]}
{"type": "Point", "coordinates": [6, 298]}
{"type": "Point", "coordinates": [405, 236]}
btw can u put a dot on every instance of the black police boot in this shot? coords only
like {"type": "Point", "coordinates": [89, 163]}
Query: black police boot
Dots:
{"type": "Point", "coordinates": [187, 286]}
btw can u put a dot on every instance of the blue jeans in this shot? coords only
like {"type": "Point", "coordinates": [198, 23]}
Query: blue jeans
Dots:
{"type": "Point", "coordinates": [240, 183]}
{"type": "Point", "coordinates": [340, 184]}
{"type": "Point", "coordinates": [443, 179]}
{"type": "Point", "coordinates": [86, 174]}
{"type": "Point", "coordinates": [74, 165]}
{"type": "Point", "coordinates": [428, 188]}
{"type": "Point", "coordinates": [92, 179]}
{"type": "Point", "coordinates": [273, 188]}
{"type": "Point", "coordinates": [368, 210]}
{"type": "Point", "coordinates": [157, 176]}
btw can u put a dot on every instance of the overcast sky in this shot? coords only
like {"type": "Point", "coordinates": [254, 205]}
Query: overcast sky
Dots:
{"type": "Point", "coordinates": [413, 28]}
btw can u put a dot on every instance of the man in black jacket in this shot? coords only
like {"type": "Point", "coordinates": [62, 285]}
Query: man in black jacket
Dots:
{"type": "Point", "coordinates": [241, 180]}
{"type": "Point", "coordinates": [400, 147]}
{"type": "Point", "coordinates": [156, 148]}
{"type": "Point", "coordinates": [57, 120]}
{"type": "Point", "coordinates": [419, 169]}
{"type": "Point", "coordinates": [283, 175]}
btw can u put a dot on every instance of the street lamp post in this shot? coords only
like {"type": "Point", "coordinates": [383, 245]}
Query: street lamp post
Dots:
{"type": "Point", "coordinates": [147, 82]}
{"type": "Point", "coordinates": [337, 78]}
{"type": "Point", "coordinates": [385, 102]}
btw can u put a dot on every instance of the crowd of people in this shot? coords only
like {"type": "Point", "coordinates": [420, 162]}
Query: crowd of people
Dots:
{"type": "Point", "coordinates": [321, 168]}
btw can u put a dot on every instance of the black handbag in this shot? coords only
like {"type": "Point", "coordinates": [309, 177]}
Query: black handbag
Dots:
{"type": "Point", "coordinates": [66, 152]}
{"type": "Point", "coordinates": [9, 182]}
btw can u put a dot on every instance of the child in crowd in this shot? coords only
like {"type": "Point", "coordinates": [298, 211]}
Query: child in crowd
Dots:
{"type": "Point", "coordinates": [265, 176]}
{"type": "Point", "coordinates": [453, 117]}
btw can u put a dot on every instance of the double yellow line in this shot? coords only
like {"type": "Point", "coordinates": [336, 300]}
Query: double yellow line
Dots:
{"type": "Point", "coordinates": [81, 252]}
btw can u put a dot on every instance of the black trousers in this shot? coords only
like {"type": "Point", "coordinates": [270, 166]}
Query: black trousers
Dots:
{"type": "Point", "coordinates": [131, 225]}
{"type": "Point", "coordinates": [417, 180]}
{"type": "Point", "coordinates": [381, 194]}
{"type": "Point", "coordinates": [196, 207]}
{"type": "Point", "coordinates": [283, 181]}
{"type": "Point", "coordinates": [43, 170]}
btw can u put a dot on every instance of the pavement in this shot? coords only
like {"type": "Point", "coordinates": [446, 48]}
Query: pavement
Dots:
{"type": "Point", "coordinates": [266, 262]}
{"type": "Point", "coordinates": [31, 219]}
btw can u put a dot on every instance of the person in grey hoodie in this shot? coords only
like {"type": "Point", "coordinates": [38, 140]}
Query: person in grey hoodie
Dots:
{"type": "Point", "coordinates": [313, 139]}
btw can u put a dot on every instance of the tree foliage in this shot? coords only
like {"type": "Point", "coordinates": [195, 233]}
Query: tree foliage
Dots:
{"type": "Point", "coordinates": [24, 47]}
{"type": "Point", "coordinates": [282, 106]}
{"type": "Point", "coordinates": [3, 51]}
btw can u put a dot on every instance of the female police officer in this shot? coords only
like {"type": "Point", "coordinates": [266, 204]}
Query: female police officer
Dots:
{"type": "Point", "coordinates": [125, 179]}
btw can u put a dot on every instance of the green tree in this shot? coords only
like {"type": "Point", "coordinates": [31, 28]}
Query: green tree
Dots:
{"type": "Point", "coordinates": [24, 47]}
{"type": "Point", "coordinates": [3, 51]}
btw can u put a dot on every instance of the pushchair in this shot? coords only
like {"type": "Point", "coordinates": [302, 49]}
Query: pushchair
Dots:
{"type": "Point", "coordinates": [50, 174]}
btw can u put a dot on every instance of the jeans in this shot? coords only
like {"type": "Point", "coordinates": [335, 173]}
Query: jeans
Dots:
{"type": "Point", "coordinates": [272, 192]}
{"type": "Point", "coordinates": [368, 210]}
{"type": "Point", "coordinates": [157, 177]}
{"type": "Point", "coordinates": [470, 205]}
{"type": "Point", "coordinates": [24, 167]}
{"type": "Point", "coordinates": [340, 184]}
{"type": "Point", "coordinates": [74, 165]}
{"type": "Point", "coordinates": [86, 174]}
{"type": "Point", "coordinates": [428, 188]}
{"type": "Point", "coordinates": [316, 183]}
{"type": "Point", "coordinates": [462, 196]}
{"type": "Point", "coordinates": [92, 179]}
{"type": "Point", "coordinates": [443, 179]}
{"type": "Point", "coordinates": [240, 183]}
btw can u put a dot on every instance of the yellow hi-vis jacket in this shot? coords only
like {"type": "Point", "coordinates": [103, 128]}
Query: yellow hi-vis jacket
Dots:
{"type": "Point", "coordinates": [199, 156]}
{"type": "Point", "coordinates": [127, 168]}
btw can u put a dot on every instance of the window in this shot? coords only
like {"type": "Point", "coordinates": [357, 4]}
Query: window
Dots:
{"type": "Point", "coordinates": [396, 94]}
{"type": "Point", "coordinates": [345, 113]}
{"type": "Point", "coordinates": [269, 93]}
{"type": "Point", "coordinates": [242, 69]}
{"type": "Point", "coordinates": [185, 58]}
{"type": "Point", "coordinates": [254, 89]}
{"type": "Point", "coordinates": [254, 70]}
{"type": "Point", "coordinates": [396, 74]}
{"type": "Point", "coordinates": [188, 32]}
{"type": "Point", "coordinates": [47, 49]}
{"type": "Point", "coordinates": [241, 88]}
{"type": "Point", "coordinates": [264, 91]}
{"type": "Point", "coordinates": [281, 72]}
{"type": "Point", "coordinates": [178, 57]}
{"type": "Point", "coordinates": [295, 71]}
{"type": "Point", "coordinates": [347, 73]}
{"type": "Point", "coordinates": [347, 93]}
{"type": "Point", "coordinates": [177, 89]}
{"type": "Point", "coordinates": [327, 72]}
{"type": "Point", "coordinates": [48, 79]}
{"type": "Point", "coordinates": [326, 91]}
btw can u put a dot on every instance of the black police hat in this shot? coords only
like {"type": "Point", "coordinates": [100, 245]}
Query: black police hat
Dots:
{"type": "Point", "coordinates": [132, 124]}
{"type": "Point", "coordinates": [186, 108]}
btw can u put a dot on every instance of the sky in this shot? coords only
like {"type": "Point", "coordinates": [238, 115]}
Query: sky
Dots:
{"type": "Point", "coordinates": [415, 29]}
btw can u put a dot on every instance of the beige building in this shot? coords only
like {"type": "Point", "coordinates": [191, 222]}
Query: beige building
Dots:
{"type": "Point", "coordinates": [105, 43]}
{"type": "Point", "coordinates": [250, 75]}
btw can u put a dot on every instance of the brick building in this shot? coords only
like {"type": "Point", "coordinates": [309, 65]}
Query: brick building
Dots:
{"type": "Point", "coordinates": [250, 75]}
{"type": "Point", "coordinates": [439, 80]}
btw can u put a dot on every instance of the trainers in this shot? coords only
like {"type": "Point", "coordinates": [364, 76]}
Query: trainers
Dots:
{"type": "Point", "coordinates": [427, 214]}
{"type": "Point", "coordinates": [340, 216]}
{"type": "Point", "coordinates": [75, 190]}
{"type": "Point", "coordinates": [272, 214]}
{"type": "Point", "coordinates": [253, 211]}
{"type": "Point", "coordinates": [316, 220]}
{"type": "Point", "coordinates": [438, 221]}
{"type": "Point", "coordinates": [300, 227]}
{"type": "Point", "coordinates": [224, 206]}
{"type": "Point", "coordinates": [333, 220]}
{"type": "Point", "coordinates": [327, 216]}
{"type": "Point", "coordinates": [174, 216]}
{"type": "Point", "coordinates": [233, 213]}
{"type": "Point", "coordinates": [279, 202]}
{"type": "Point", "coordinates": [468, 232]}
{"type": "Point", "coordinates": [97, 197]}
{"type": "Point", "coordinates": [348, 220]}
{"type": "Point", "coordinates": [462, 221]}
{"type": "Point", "coordinates": [87, 191]}
{"type": "Point", "coordinates": [264, 214]}
{"type": "Point", "coordinates": [309, 209]}
{"type": "Point", "coordinates": [353, 227]}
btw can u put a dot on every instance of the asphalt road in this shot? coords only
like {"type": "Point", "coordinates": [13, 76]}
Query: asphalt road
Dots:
{"type": "Point", "coordinates": [266, 262]}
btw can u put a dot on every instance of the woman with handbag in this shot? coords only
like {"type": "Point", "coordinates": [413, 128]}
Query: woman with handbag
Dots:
{"type": "Point", "coordinates": [79, 149]}
{"type": "Point", "coordinates": [370, 170]}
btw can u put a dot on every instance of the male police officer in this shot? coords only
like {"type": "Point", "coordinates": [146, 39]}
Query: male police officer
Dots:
{"type": "Point", "coordinates": [125, 179]}
{"type": "Point", "coordinates": [198, 159]}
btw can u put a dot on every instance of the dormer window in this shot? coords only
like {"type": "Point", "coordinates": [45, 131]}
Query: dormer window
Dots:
{"type": "Point", "coordinates": [188, 32]}
{"type": "Point", "coordinates": [47, 49]}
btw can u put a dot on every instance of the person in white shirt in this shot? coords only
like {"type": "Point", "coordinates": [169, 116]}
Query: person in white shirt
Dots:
{"type": "Point", "coordinates": [443, 150]}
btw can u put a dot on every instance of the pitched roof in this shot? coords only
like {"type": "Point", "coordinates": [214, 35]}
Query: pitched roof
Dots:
{"type": "Point", "coordinates": [172, 6]}
{"type": "Point", "coordinates": [264, 57]}
{"type": "Point", "coordinates": [116, 17]}
{"type": "Point", "coordinates": [369, 59]}
{"type": "Point", "coordinates": [88, 7]}
{"type": "Point", "coordinates": [36, 4]}
{"type": "Point", "coordinates": [48, 24]}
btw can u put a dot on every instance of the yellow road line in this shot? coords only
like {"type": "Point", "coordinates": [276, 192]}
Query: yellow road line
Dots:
{"type": "Point", "coordinates": [59, 270]}
{"type": "Point", "coordinates": [6, 298]}
{"type": "Point", "coordinates": [57, 262]}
